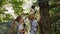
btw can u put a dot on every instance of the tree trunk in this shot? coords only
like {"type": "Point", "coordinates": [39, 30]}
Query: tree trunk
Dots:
{"type": "Point", "coordinates": [45, 21]}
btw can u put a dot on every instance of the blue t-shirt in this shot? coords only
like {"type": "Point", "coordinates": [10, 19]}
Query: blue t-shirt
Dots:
{"type": "Point", "coordinates": [34, 25]}
{"type": "Point", "coordinates": [20, 26]}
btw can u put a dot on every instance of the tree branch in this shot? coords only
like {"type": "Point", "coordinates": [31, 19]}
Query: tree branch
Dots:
{"type": "Point", "coordinates": [54, 5]}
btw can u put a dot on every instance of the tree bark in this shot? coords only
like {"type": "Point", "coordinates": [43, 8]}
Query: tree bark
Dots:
{"type": "Point", "coordinates": [44, 24]}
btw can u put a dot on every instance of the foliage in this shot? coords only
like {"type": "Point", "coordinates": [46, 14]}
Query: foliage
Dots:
{"type": "Point", "coordinates": [54, 13]}
{"type": "Point", "coordinates": [16, 7]}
